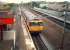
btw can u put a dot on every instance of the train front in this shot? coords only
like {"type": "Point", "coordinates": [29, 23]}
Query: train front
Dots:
{"type": "Point", "coordinates": [37, 26]}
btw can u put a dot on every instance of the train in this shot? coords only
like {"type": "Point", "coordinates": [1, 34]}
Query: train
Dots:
{"type": "Point", "coordinates": [6, 19]}
{"type": "Point", "coordinates": [37, 25]}
{"type": "Point", "coordinates": [7, 22]}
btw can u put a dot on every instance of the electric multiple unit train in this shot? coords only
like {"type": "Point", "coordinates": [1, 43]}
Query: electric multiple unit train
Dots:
{"type": "Point", "coordinates": [37, 25]}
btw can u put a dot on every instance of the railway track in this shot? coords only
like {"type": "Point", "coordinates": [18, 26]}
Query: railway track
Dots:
{"type": "Point", "coordinates": [61, 23]}
{"type": "Point", "coordinates": [38, 42]}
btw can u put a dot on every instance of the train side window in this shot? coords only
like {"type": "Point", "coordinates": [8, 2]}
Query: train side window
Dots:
{"type": "Point", "coordinates": [35, 23]}
{"type": "Point", "coordinates": [41, 23]}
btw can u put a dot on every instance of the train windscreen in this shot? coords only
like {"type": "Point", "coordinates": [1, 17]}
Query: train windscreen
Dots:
{"type": "Point", "coordinates": [36, 23]}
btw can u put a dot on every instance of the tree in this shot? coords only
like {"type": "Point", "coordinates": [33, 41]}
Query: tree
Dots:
{"type": "Point", "coordinates": [35, 4]}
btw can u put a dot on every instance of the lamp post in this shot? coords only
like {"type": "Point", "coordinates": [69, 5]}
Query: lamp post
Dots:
{"type": "Point", "coordinates": [65, 18]}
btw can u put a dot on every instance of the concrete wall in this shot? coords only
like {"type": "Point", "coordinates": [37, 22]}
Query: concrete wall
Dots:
{"type": "Point", "coordinates": [56, 6]}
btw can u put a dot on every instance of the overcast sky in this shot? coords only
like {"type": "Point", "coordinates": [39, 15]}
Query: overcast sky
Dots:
{"type": "Point", "coordinates": [24, 1]}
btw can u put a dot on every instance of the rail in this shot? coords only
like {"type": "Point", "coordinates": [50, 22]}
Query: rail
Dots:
{"type": "Point", "coordinates": [39, 43]}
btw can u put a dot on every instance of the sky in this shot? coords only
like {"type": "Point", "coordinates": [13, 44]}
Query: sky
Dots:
{"type": "Point", "coordinates": [25, 1]}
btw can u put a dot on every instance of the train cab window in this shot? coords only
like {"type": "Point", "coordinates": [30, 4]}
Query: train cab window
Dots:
{"type": "Point", "coordinates": [35, 23]}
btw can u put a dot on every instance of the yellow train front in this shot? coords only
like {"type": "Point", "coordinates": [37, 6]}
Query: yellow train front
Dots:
{"type": "Point", "coordinates": [37, 26]}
